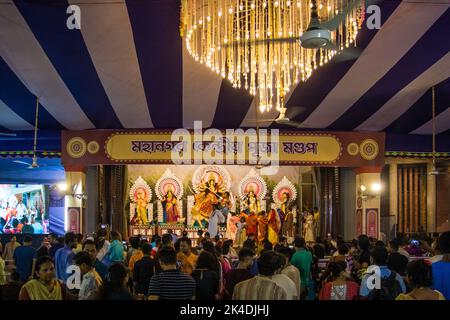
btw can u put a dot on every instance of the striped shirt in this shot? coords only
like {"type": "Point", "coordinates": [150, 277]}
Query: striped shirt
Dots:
{"type": "Point", "coordinates": [258, 288]}
{"type": "Point", "coordinates": [172, 285]}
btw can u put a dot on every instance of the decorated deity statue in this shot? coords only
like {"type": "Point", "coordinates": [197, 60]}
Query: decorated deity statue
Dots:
{"type": "Point", "coordinates": [251, 202]}
{"type": "Point", "coordinates": [141, 207]}
{"type": "Point", "coordinates": [169, 190]}
{"type": "Point", "coordinates": [170, 207]}
{"type": "Point", "coordinates": [284, 195]}
{"type": "Point", "coordinates": [140, 196]}
{"type": "Point", "coordinates": [285, 198]}
{"type": "Point", "coordinates": [206, 201]}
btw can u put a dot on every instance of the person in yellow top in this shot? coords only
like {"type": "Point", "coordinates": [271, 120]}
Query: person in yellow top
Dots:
{"type": "Point", "coordinates": [419, 277]}
{"type": "Point", "coordinates": [316, 215]}
{"type": "Point", "coordinates": [137, 255]}
{"type": "Point", "coordinates": [187, 259]}
{"type": "Point", "coordinates": [45, 286]}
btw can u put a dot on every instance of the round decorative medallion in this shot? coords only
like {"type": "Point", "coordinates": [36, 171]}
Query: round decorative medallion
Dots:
{"type": "Point", "coordinates": [93, 147]}
{"type": "Point", "coordinates": [352, 149]}
{"type": "Point", "coordinates": [76, 147]}
{"type": "Point", "coordinates": [368, 149]}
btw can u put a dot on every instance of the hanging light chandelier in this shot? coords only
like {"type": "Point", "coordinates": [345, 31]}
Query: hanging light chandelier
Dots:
{"type": "Point", "coordinates": [268, 46]}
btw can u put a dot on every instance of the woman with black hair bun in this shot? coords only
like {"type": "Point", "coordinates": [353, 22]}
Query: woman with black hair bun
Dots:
{"type": "Point", "coordinates": [115, 285]}
{"type": "Point", "coordinates": [339, 287]}
{"type": "Point", "coordinates": [420, 279]}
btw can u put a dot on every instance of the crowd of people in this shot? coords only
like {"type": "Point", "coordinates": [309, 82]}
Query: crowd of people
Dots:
{"type": "Point", "coordinates": [103, 267]}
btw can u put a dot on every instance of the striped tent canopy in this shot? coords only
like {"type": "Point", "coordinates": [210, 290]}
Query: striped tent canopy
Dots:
{"type": "Point", "coordinates": [127, 67]}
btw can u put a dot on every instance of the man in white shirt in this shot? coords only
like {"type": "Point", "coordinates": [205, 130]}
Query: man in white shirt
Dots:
{"type": "Point", "coordinates": [289, 270]}
{"type": "Point", "coordinates": [91, 280]}
{"type": "Point", "coordinates": [286, 284]}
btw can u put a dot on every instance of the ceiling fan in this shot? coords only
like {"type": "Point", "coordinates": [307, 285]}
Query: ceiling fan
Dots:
{"type": "Point", "coordinates": [34, 163]}
{"type": "Point", "coordinates": [434, 170]}
{"type": "Point", "coordinates": [318, 33]}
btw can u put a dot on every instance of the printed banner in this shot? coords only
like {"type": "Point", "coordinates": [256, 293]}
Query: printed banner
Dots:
{"type": "Point", "coordinates": [349, 149]}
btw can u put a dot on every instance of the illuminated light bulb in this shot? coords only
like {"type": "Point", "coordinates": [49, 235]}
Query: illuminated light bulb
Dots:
{"type": "Point", "coordinates": [241, 7]}
{"type": "Point", "coordinates": [288, 3]}
{"type": "Point", "coordinates": [252, 6]}
{"type": "Point", "coordinates": [376, 187]}
{"type": "Point", "coordinates": [200, 22]}
{"type": "Point", "coordinates": [220, 14]}
{"type": "Point", "coordinates": [225, 40]}
{"type": "Point", "coordinates": [208, 18]}
{"type": "Point", "coordinates": [329, 8]}
{"type": "Point", "coordinates": [290, 33]}
{"type": "Point", "coordinates": [268, 33]}
{"type": "Point", "coordinates": [336, 12]}
{"type": "Point", "coordinates": [280, 34]}
{"type": "Point", "coordinates": [264, 5]}
{"type": "Point", "coordinates": [298, 4]}
{"type": "Point", "coordinates": [320, 7]}
{"type": "Point", "coordinates": [276, 4]}
{"type": "Point", "coordinates": [230, 11]}
{"type": "Point", "coordinates": [62, 186]}
{"type": "Point", "coordinates": [257, 36]}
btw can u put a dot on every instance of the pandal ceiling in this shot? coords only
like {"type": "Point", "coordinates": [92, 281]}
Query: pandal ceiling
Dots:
{"type": "Point", "coordinates": [255, 43]}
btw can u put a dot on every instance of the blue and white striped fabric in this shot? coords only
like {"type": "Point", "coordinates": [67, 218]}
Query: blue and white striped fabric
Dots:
{"type": "Point", "coordinates": [127, 68]}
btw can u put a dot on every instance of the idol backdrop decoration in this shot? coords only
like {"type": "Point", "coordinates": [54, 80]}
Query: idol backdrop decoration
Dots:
{"type": "Point", "coordinates": [169, 190]}
{"type": "Point", "coordinates": [207, 197]}
{"type": "Point", "coordinates": [140, 206]}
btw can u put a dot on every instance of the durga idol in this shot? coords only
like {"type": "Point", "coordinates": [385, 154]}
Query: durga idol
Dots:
{"type": "Point", "coordinates": [206, 200]}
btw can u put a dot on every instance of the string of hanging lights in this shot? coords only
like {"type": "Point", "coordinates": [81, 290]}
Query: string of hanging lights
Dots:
{"type": "Point", "coordinates": [258, 45]}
